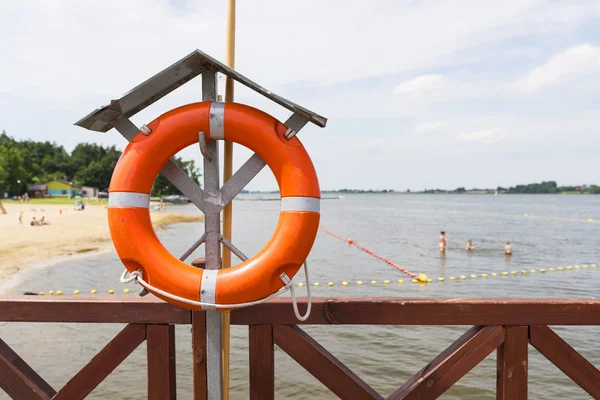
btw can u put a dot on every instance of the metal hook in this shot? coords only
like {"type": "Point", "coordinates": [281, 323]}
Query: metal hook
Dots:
{"type": "Point", "coordinates": [203, 149]}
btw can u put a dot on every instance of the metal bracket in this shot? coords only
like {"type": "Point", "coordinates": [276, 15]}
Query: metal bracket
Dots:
{"type": "Point", "coordinates": [294, 123]}
{"type": "Point", "coordinates": [172, 171]}
{"type": "Point", "coordinates": [233, 249]}
{"type": "Point", "coordinates": [203, 149]}
{"type": "Point", "coordinates": [255, 164]}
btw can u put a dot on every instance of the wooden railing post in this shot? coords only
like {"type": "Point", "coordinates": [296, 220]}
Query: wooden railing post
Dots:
{"type": "Point", "coordinates": [199, 355]}
{"type": "Point", "coordinates": [262, 362]}
{"type": "Point", "coordinates": [511, 379]}
{"type": "Point", "coordinates": [160, 340]}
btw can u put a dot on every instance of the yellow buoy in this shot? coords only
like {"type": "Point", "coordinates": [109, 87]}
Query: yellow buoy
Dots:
{"type": "Point", "coordinates": [462, 277]}
{"type": "Point", "coordinates": [344, 283]}
{"type": "Point", "coordinates": [422, 278]}
{"type": "Point", "coordinates": [533, 271]}
{"type": "Point", "coordinates": [400, 281]}
{"type": "Point", "coordinates": [524, 272]}
{"type": "Point", "coordinates": [42, 293]}
{"type": "Point", "coordinates": [473, 276]}
{"type": "Point", "coordinates": [76, 292]}
{"type": "Point", "coordinates": [316, 284]}
{"type": "Point", "coordinates": [513, 272]}
{"type": "Point", "coordinates": [594, 265]}
{"type": "Point", "coordinates": [59, 292]}
{"type": "Point", "coordinates": [494, 274]}
{"type": "Point", "coordinates": [441, 279]}
{"type": "Point", "coordinates": [484, 275]}
{"type": "Point", "coordinates": [577, 267]}
{"type": "Point", "coordinates": [386, 282]}
{"type": "Point", "coordinates": [50, 292]}
{"type": "Point", "coordinates": [590, 220]}
{"type": "Point", "coordinates": [359, 283]}
{"type": "Point", "coordinates": [584, 266]}
{"type": "Point", "coordinates": [330, 284]}
{"type": "Point", "coordinates": [505, 273]}
{"type": "Point", "coordinates": [110, 291]}
{"type": "Point", "coordinates": [569, 267]}
{"type": "Point", "coordinates": [429, 280]}
{"type": "Point", "coordinates": [542, 270]}
{"type": "Point", "coordinates": [93, 291]}
{"type": "Point", "coordinates": [300, 284]}
{"type": "Point", "coordinates": [415, 281]}
{"type": "Point", "coordinates": [551, 269]}
{"type": "Point", "coordinates": [452, 278]}
{"type": "Point", "coordinates": [373, 282]}
{"type": "Point", "coordinates": [126, 291]}
{"type": "Point", "coordinates": [525, 215]}
{"type": "Point", "coordinates": [560, 268]}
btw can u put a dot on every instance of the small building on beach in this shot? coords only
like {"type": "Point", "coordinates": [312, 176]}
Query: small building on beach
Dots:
{"type": "Point", "coordinates": [59, 187]}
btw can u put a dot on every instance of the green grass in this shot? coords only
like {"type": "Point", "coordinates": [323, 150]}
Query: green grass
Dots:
{"type": "Point", "coordinates": [572, 192]}
{"type": "Point", "coordinates": [56, 200]}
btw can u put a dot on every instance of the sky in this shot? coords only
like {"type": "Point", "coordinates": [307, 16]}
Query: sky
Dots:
{"type": "Point", "coordinates": [418, 94]}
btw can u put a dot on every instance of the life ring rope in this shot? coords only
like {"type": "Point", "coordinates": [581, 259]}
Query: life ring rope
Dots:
{"type": "Point", "coordinates": [138, 278]}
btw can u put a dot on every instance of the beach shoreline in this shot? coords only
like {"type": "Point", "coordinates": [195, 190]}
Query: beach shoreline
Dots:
{"type": "Point", "coordinates": [69, 235]}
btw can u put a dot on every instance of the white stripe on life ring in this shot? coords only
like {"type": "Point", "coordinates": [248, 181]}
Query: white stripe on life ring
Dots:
{"type": "Point", "coordinates": [217, 121]}
{"type": "Point", "coordinates": [128, 199]}
{"type": "Point", "coordinates": [311, 204]}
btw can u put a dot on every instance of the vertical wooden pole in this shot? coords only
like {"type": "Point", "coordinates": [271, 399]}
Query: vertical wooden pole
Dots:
{"type": "Point", "coordinates": [160, 341]}
{"type": "Point", "coordinates": [199, 355]}
{"type": "Point", "coordinates": [227, 172]}
{"type": "Point", "coordinates": [262, 362]}
{"type": "Point", "coordinates": [511, 380]}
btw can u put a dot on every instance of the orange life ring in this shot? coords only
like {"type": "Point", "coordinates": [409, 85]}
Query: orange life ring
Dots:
{"type": "Point", "coordinates": [129, 218]}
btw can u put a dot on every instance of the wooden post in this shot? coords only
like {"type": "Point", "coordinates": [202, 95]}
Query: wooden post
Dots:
{"type": "Point", "coordinates": [511, 380]}
{"type": "Point", "coordinates": [199, 355]}
{"type": "Point", "coordinates": [262, 362]}
{"type": "Point", "coordinates": [227, 173]}
{"type": "Point", "coordinates": [160, 340]}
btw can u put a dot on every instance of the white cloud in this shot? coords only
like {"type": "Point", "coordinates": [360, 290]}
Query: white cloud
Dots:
{"type": "Point", "coordinates": [486, 136]}
{"type": "Point", "coordinates": [423, 84]}
{"type": "Point", "coordinates": [578, 63]}
{"type": "Point", "coordinates": [430, 126]}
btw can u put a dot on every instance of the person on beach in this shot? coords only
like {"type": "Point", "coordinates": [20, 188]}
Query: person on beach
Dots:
{"type": "Point", "coordinates": [21, 219]}
{"type": "Point", "coordinates": [442, 242]}
{"type": "Point", "coordinates": [507, 249]}
{"type": "Point", "coordinates": [470, 245]}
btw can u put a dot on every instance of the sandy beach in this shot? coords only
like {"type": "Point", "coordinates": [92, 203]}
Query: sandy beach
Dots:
{"type": "Point", "coordinates": [68, 234]}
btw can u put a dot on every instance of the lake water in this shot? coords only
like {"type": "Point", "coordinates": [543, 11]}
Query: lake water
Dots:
{"type": "Point", "coordinates": [403, 228]}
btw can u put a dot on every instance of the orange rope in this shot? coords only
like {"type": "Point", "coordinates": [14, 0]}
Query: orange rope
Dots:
{"type": "Point", "coordinates": [353, 243]}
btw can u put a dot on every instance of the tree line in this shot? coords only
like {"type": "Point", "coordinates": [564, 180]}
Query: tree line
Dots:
{"type": "Point", "coordinates": [26, 162]}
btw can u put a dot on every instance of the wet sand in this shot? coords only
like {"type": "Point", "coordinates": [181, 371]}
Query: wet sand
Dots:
{"type": "Point", "coordinates": [68, 234]}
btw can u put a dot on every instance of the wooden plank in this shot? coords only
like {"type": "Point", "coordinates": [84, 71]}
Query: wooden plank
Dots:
{"type": "Point", "coordinates": [119, 309]}
{"type": "Point", "coordinates": [103, 363]}
{"type": "Point", "coordinates": [160, 341]}
{"type": "Point", "coordinates": [452, 364]}
{"type": "Point", "coordinates": [400, 311]}
{"type": "Point", "coordinates": [199, 355]}
{"type": "Point", "coordinates": [566, 358]}
{"type": "Point", "coordinates": [18, 379]}
{"type": "Point", "coordinates": [511, 380]}
{"type": "Point", "coordinates": [322, 364]}
{"type": "Point", "coordinates": [378, 311]}
{"type": "Point", "coordinates": [262, 362]}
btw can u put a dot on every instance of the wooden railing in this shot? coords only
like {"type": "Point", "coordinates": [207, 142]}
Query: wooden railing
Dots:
{"type": "Point", "coordinates": [503, 325]}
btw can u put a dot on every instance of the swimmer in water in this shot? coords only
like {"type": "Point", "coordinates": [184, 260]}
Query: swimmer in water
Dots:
{"type": "Point", "coordinates": [470, 245]}
{"type": "Point", "coordinates": [442, 242]}
{"type": "Point", "coordinates": [507, 249]}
